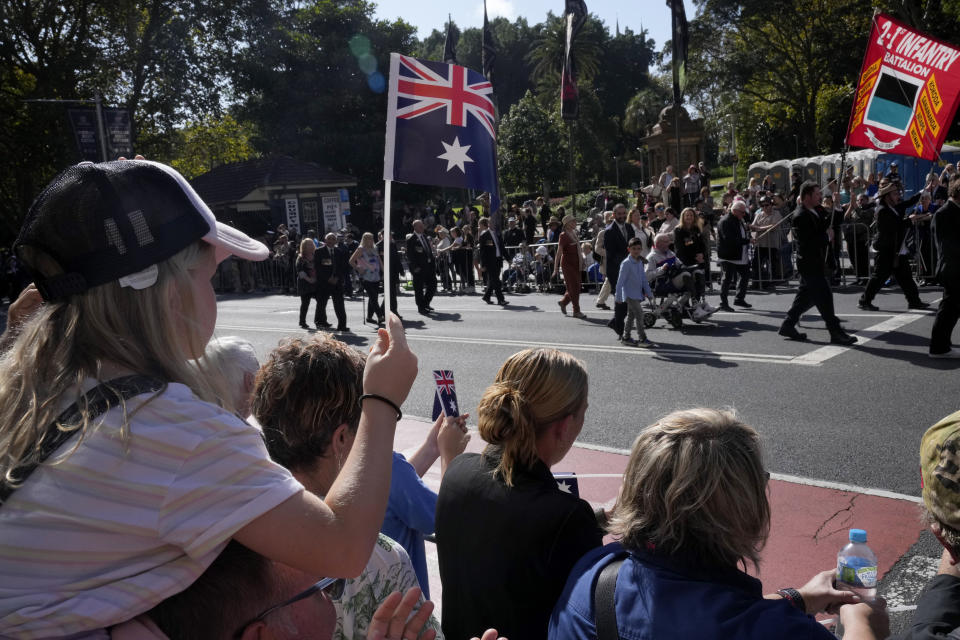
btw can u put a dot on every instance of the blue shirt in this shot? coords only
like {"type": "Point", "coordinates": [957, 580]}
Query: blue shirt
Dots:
{"type": "Point", "coordinates": [661, 597]}
{"type": "Point", "coordinates": [632, 282]}
{"type": "Point", "coordinates": [410, 513]}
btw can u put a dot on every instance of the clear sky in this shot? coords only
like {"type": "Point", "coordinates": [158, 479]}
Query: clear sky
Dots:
{"type": "Point", "coordinates": [653, 15]}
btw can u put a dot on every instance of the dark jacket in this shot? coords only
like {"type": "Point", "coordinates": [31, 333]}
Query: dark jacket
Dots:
{"type": "Point", "coordinates": [328, 264]}
{"type": "Point", "coordinates": [730, 240]}
{"type": "Point", "coordinates": [810, 232]}
{"type": "Point", "coordinates": [892, 226]}
{"type": "Point", "coordinates": [938, 611]}
{"type": "Point", "coordinates": [687, 244]}
{"type": "Point", "coordinates": [505, 552]}
{"type": "Point", "coordinates": [488, 242]}
{"type": "Point", "coordinates": [615, 245]}
{"type": "Point", "coordinates": [946, 235]}
{"type": "Point", "coordinates": [419, 257]}
{"type": "Point", "coordinates": [396, 266]}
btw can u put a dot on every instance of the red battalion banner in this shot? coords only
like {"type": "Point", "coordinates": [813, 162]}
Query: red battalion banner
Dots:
{"type": "Point", "coordinates": [907, 94]}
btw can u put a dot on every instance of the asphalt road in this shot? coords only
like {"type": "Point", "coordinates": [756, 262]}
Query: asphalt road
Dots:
{"type": "Point", "coordinates": [850, 415]}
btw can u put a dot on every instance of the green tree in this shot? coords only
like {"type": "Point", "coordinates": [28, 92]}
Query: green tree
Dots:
{"type": "Point", "coordinates": [531, 147]}
{"type": "Point", "coordinates": [211, 142]}
{"type": "Point", "coordinates": [313, 80]}
{"type": "Point", "coordinates": [547, 54]}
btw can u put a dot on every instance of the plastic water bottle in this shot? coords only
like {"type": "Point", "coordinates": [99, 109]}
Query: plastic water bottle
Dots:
{"type": "Point", "coordinates": [857, 566]}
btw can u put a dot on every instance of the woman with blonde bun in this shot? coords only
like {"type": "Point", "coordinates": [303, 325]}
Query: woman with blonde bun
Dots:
{"type": "Point", "coordinates": [507, 536]}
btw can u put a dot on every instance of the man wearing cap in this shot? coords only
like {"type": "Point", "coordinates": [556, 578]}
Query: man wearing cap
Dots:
{"type": "Point", "coordinates": [812, 233]}
{"type": "Point", "coordinates": [423, 268]}
{"type": "Point", "coordinates": [331, 278]}
{"type": "Point", "coordinates": [946, 237]}
{"type": "Point", "coordinates": [733, 245]}
{"type": "Point", "coordinates": [938, 610]}
{"type": "Point", "coordinates": [892, 255]}
{"type": "Point", "coordinates": [490, 260]}
{"type": "Point", "coordinates": [512, 238]}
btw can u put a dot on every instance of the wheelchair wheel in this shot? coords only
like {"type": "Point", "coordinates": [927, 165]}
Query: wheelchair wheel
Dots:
{"type": "Point", "coordinates": [649, 320]}
{"type": "Point", "coordinates": [675, 318]}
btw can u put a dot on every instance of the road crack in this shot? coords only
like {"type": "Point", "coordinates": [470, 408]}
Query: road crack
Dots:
{"type": "Point", "coordinates": [836, 514]}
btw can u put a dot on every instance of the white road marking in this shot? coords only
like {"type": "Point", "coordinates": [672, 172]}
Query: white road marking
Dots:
{"type": "Point", "coordinates": [821, 355]}
{"type": "Point", "coordinates": [597, 348]}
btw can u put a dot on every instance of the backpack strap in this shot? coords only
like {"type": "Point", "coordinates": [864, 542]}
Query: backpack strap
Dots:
{"type": "Point", "coordinates": [604, 606]}
{"type": "Point", "coordinates": [95, 402]}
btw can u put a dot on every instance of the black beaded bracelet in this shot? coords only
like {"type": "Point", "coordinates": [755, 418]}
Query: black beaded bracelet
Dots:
{"type": "Point", "coordinates": [390, 402]}
{"type": "Point", "coordinates": [793, 597]}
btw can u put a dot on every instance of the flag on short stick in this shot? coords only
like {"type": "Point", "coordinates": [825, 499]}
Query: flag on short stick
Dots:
{"type": "Point", "coordinates": [567, 482]}
{"type": "Point", "coordinates": [445, 399]}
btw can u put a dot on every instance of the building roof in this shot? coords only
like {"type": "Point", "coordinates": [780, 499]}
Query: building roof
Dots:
{"type": "Point", "coordinates": [230, 183]}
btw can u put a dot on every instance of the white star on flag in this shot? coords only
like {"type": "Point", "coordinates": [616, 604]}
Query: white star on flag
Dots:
{"type": "Point", "coordinates": [564, 486]}
{"type": "Point", "coordinates": [455, 155]}
{"type": "Point", "coordinates": [453, 406]}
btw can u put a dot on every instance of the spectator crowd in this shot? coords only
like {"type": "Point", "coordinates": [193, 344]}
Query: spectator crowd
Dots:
{"type": "Point", "coordinates": [158, 482]}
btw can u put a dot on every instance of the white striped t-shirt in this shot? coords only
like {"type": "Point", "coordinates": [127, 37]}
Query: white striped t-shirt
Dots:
{"type": "Point", "coordinates": [112, 529]}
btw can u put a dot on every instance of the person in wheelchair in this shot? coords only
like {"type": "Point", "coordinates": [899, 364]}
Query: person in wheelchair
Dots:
{"type": "Point", "coordinates": [667, 276]}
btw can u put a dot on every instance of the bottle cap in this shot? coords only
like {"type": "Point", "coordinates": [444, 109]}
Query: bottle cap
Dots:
{"type": "Point", "coordinates": [858, 535]}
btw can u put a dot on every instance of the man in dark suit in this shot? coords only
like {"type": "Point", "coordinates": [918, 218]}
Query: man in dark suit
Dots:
{"type": "Point", "coordinates": [946, 236]}
{"type": "Point", "coordinates": [615, 239]}
{"type": "Point", "coordinates": [892, 258]}
{"type": "Point", "coordinates": [328, 263]}
{"type": "Point", "coordinates": [491, 260]}
{"type": "Point", "coordinates": [423, 267]}
{"type": "Point", "coordinates": [813, 235]}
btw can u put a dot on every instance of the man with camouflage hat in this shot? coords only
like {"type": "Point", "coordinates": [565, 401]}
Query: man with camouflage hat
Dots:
{"type": "Point", "coordinates": [938, 610]}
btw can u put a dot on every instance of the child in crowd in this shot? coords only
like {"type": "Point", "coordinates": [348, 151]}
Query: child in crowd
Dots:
{"type": "Point", "coordinates": [123, 471]}
{"type": "Point", "coordinates": [633, 288]}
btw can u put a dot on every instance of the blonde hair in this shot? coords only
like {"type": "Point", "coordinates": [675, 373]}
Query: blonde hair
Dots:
{"type": "Point", "coordinates": [697, 222]}
{"type": "Point", "coordinates": [367, 242]}
{"type": "Point", "coordinates": [533, 389]}
{"type": "Point", "coordinates": [695, 486]}
{"type": "Point", "coordinates": [65, 343]}
{"type": "Point", "coordinates": [304, 243]}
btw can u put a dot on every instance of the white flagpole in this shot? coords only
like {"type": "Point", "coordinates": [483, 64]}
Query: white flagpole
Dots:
{"type": "Point", "coordinates": [387, 273]}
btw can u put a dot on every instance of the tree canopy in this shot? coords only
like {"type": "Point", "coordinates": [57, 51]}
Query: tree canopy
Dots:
{"type": "Point", "coordinates": [214, 82]}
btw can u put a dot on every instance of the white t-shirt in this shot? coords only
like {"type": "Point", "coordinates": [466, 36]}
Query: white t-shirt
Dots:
{"type": "Point", "coordinates": [118, 525]}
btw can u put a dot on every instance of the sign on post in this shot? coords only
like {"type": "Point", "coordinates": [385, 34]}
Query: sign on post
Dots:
{"type": "Point", "coordinates": [292, 208]}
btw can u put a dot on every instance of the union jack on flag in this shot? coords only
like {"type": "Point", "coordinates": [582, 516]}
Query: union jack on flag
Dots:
{"type": "Point", "coordinates": [445, 399]}
{"type": "Point", "coordinates": [441, 126]}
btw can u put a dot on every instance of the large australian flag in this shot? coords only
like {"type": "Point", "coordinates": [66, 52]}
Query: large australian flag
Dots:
{"type": "Point", "coordinates": [441, 127]}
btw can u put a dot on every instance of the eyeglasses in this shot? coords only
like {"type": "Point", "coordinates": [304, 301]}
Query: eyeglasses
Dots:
{"type": "Point", "coordinates": [332, 587]}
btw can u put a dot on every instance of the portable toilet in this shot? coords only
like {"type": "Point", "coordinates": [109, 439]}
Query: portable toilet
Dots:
{"type": "Point", "coordinates": [758, 170]}
{"type": "Point", "coordinates": [811, 169]}
{"type": "Point", "coordinates": [780, 174]}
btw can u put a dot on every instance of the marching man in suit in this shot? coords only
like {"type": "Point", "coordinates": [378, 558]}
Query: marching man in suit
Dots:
{"type": "Point", "coordinates": [615, 238]}
{"type": "Point", "coordinates": [328, 264]}
{"type": "Point", "coordinates": [491, 260]}
{"type": "Point", "coordinates": [423, 267]}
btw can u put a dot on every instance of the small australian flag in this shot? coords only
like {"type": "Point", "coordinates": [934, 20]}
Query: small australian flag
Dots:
{"type": "Point", "coordinates": [567, 482]}
{"type": "Point", "coordinates": [441, 126]}
{"type": "Point", "coordinates": [445, 399]}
